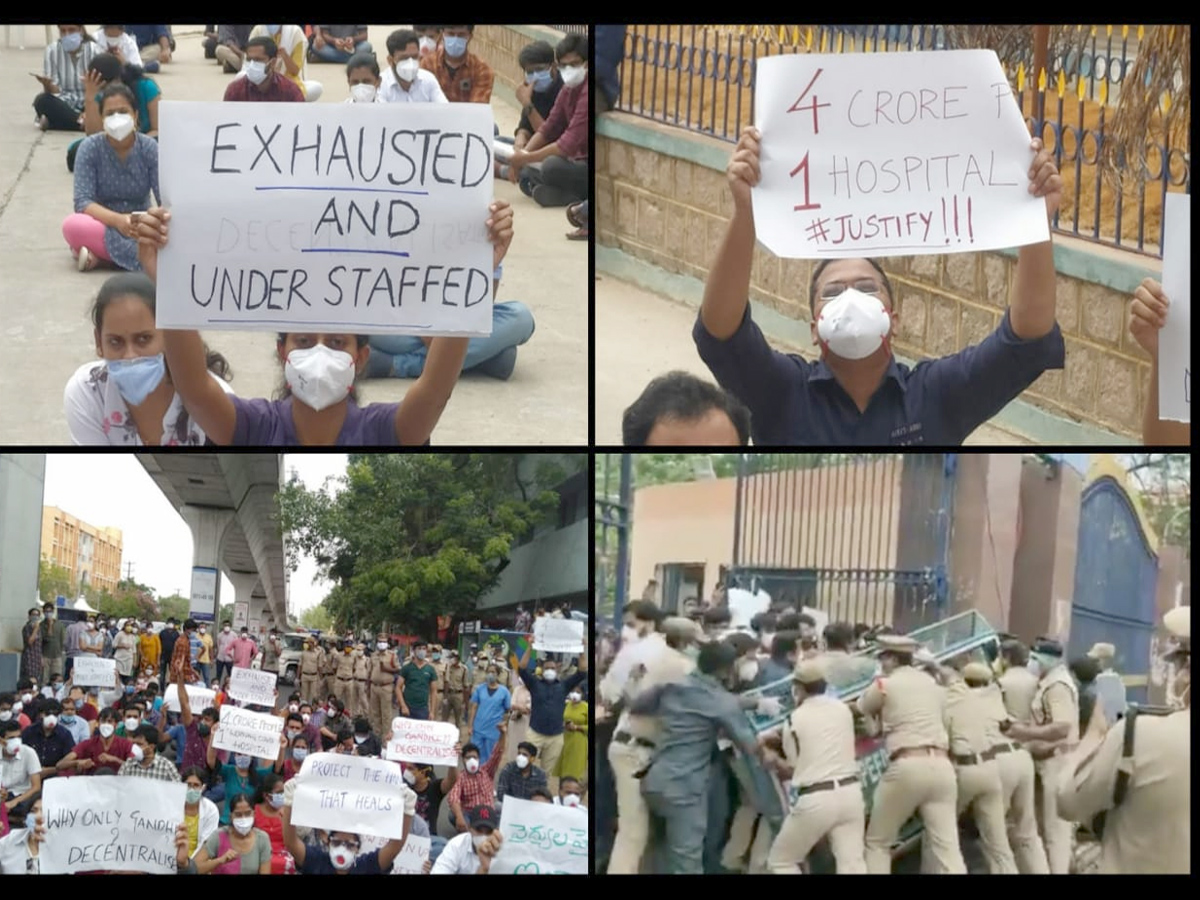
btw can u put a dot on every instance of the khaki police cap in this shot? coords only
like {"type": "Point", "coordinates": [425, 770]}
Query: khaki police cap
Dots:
{"type": "Point", "coordinates": [1179, 622]}
{"type": "Point", "coordinates": [924, 657]}
{"type": "Point", "coordinates": [809, 670]}
{"type": "Point", "coordinates": [1102, 651]}
{"type": "Point", "coordinates": [680, 627]}
{"type": "Point", "coordinates": [976, 672]}
{"type": "Point", "coordinates": [898, 642]}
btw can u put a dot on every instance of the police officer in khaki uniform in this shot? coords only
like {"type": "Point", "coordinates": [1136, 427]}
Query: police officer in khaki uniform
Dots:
{"type": "Point", "coordinates": [361, 680]}
{"type": "Point", "coordinates": [911, 707]}
{"type": "Point", "coordinates": [1017, 683]}
{"type": "Point", "coordinates": [381, 676]}
{"type": "Point", "coordinates": [329, 664]}
{"type": "Point", "coordinates": [344, 677]}
{"type": "Point", "coordinates": [1053, 734]}
{"type": "Point", "coordinates": [310, 671]}
{"type": "Point", "coordinates": [438, 659]}
{"type": "Point", "coordinates": [1149, 831]}
{"type": "Point", "coordinates": [818, 744]}
{"type": "Point", "coordinates": [457, 689]}
{"type": "Point", "coordinates": [974, 710]}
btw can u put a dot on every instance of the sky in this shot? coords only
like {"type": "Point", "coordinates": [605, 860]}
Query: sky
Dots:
{"type": "Point", "coordinates": [113, 489]}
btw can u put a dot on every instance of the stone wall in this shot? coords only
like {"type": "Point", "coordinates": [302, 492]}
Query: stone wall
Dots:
{"type": "Point", "coordinates": [662, 198]}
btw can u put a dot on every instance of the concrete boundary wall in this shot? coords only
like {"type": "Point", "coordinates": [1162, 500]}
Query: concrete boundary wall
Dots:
{"type": "Point", "coordinates": [663, 207]}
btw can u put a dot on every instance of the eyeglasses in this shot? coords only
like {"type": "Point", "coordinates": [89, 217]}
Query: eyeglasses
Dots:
{"type": "Point", "coordinates": [344, 845]}
{"type": "Point", "coordinates": [834, 289]}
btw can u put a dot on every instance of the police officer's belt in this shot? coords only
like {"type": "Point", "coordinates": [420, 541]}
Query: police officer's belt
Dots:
{"type": "Point", "coordinates": [1001, 749]}
{"type": "Point", "coordinates": [917, 751]}
{"type": "Point", "coordinates": [825, 785]}
{"type": "Point", "coordinates": [975, 759]}
{"type": "Point", "coordinates": [624, 737]}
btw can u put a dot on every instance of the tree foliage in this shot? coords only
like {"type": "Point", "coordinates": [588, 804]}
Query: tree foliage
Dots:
{"type": "Point", "coordinates": [407, 538]}
{"type": "Point", "coordinates": [316, 617]}
{"type": "Point", "coordinates": [1164, 481]}
{"type": "Point", "coordinates": [54, 581]}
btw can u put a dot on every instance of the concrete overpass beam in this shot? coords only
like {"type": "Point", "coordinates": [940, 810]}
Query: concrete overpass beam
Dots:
{"type": "Point", "coordinates": [244, 584]}
{"type": "Point", "coordinates": [209, 527]}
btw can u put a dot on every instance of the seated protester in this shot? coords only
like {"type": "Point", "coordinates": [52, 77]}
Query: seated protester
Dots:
{"type": "Point", "coordinates": [334, 723]}
{"type": "Point", "coordinates": [240, 775]}
{"type": "Point", "coordinates": [201, 818]}
{"type": "Point", "coordinates": [362, 74]}
{"type": "Point", "coordinates": [71, 719]}
{"type": "Point", "coordinates": [541, 795]}
{"type": "Point", "coordinates": [48, 739]}
{"type": "Point", "coordinates": [476, 784]}
{"type": "Point", "coordinates": [365, 743]}
{"type": "Point", "coordinates": [235, 848]}
{"type": "Point", "coordinates": [311, 722]}
{"type": "Point", "coordinates": [259, 80]}
{"type": "Point", "coordinates": [268, 819]}
{"type": "Point", "coordinates": [20, 849]}
{"type": "Point", "coordinates": [464, 77]}
{"type": "Point", "coordinates": [428, 37]}
{"type": "Point", "coordinates": [344, 743]}
{"type": "Point", "coordinates": [290, 57]}
{"type": "Point", "coordinates": [12, 710]}
{"type": "Point", "coordinates": [553, 167]}
{"type": "Point", "coordinates": [520, 777]}
{"type": "Point", "coordinates": [20, 771]}
{"type": "Point", "coordinates": [338, 852]}
{"type": "Point", "coordinates": [1147, 315]}
{"type": "Point", "coordinates": [580, 215]}
{"type": "Point", "coordinates": [320, 407]}
{"type": "Point", "coordinates": [115, 174]}
{"type": "Point", "coordinates": [60, 105]}
{"type": "Point", "coordinates": [403, 356]}
{"type": "Point", "coordinates": [471, 852]}
{"type": "Point", "coordinates": [857, 393]}
{"type": "Point", "coordinates": [405, 81]}
{"type": "Point", "coordinates": [298, 750]}
{"type": "Point", "coordinates": [133, 718]}
{"type": "Point", "coordinates": [106, 69]}
{"type": "Point", "coordinates": [570, 794]}
{"type": "Point", "coordinates": [154, 45]}
{"type": "Point", "coordinates": [681, 410]}
{"type": "Point", "coordinates": [103, 750]}
{"type": "Point", "coordinates": [230, 51]}
{"type": "Point", "coordinates": [114, 40]}
{"type": "Point", "coordinates": [210, 41]}
{"type": "Point", "coordinates": [536, 96]}
{"type": "Point", "coordinates": [337, 43]}
{"type": "Point", "coordinates": [430, 793]}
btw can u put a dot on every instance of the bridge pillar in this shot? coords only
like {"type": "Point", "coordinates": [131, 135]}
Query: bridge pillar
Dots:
{"type": "Point", "coordinates": [22, 479]}
{"type": "Point", "coordinates": [209, 527]}
{"type": "Point", "coordinates": [244, 584]}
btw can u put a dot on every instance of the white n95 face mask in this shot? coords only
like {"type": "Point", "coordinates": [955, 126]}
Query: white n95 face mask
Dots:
{"type": "Point", "coordinates": [319, 377]}
{"type": "Point", "coordinates": [407, 69]}
{"type": "Point", "coordinates": [853, 325]}
{"type": "Point", "coordinates": [119, 126]}
{"type": "Point", "coordinates": [362, 93]}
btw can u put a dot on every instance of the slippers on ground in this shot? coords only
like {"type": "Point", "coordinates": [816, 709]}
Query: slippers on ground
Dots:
{"type": "Point", "coordinates": [573, 215]}
{"type": "Point", "coordinates": [579, 234]}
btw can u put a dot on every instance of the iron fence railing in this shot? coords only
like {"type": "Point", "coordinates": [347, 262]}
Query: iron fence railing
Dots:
{"type": "Point", "coordinates": [571, 29]}
{"type": "Point", "coordinates": [701, 77]}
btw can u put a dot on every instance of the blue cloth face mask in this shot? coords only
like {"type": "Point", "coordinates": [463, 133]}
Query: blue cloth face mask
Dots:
{"type": "Point", "coordinates": [137, 378]}
{"type": "Point", "coordinates": [72, 41]}
{"type": "Point", "coordinates": [455, 46]}
{"type": "Point", "coordinates": [539, 81]}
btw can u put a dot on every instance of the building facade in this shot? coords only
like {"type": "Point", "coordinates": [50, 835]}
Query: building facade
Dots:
{"type": "Point", "coordinates": [91, 554]}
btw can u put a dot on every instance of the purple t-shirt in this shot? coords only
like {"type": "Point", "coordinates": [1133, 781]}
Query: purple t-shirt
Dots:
{"type": "Point", "coordinates": [268, 423]}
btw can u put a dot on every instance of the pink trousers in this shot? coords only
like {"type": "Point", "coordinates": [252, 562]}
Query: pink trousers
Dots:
{"type": "Point", "coordinates": [81, 230]}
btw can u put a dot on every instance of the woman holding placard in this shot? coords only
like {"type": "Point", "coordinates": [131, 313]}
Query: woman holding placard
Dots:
{"type": "Point", "coordinates": [236, 849]}
{"type": "Point", "coordinates": [318, 403]}
{"type": "Point", "coordinates": [267, 819]}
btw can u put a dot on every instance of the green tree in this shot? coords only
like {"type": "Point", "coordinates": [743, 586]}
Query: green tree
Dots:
{"type": "Point", "coordinates": [317, 618]}
{"type": "Point", "coordinates": [53, 581]}
{"type": "Point", "coordinates": [408, 538]}
{"type": "Point", "coordinates": [1164, 481]}
{"type": "Point", "coordinates": [176, 606]}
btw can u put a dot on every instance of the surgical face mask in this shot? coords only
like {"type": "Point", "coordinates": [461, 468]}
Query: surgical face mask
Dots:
{"type": "Point", "coordinates": [437, 656]}
{"type": "Point", "coordinates": [299, 754]}
{"type": "Point", "coordinates": [201, 631]}
{"type": "Point", "coordinates": [550, 675]}
{"type": "Point", "coordinates": [50, 721]}
{"type": "Point", "coordinates": [575, 696]}
{"type": "Point", "coordinates": [135, 378]}
{"type": "Point", "coordinates": [427, 44]}
{"type": "Point", "coordinates": [539, 81]}
{"type": "Point", "coordinates": [138, 753]}
{"type": "Point", "coordinates": [421, 654]}
{"type": "Point", "coordinates": [12, 745]}
{"type": "Point", "coordinates": [381, 645]}
{"type": "Point", "coordinates": [522, 760]}
{"type": "Point", "coordinates": [570, 800]}
{"type": "Point", "coordinates": [491, 677]}
{"type": "Point", "coordinates": [119, 126]}
{"type": "Point", "coordinates": [472, 765]}
{"type": "Point", "coordinates": [273, 29]}
{"type": "Point", "coordinates": [71, 42]}
{"type": "Point", "coordinates": [360, 738]}
{"type": "Point", "coordinates": [319, 377]}
{"type": "Point", "coordinates": [478, 840]}
{"type": "Point", "coordinates": [256, 71]}
{"type": "Point", "coordinates": [276, 800]}
{"type": "Point", "coordinates": [341, 856]}
{"type": "Point", "coordinates": [362, 93]}
{"type": "Point", "coordinates": [293, 734]}
{"type": "Point", "coordinates": [91, 626]}
{"type": "Point", "coordinates": [573, 76]}
{"type": "Point", "coordinates": [192, 797]}
{"type": "Point", "coordinates": [245, 635]}
{"type": "Point", "coordinates": [409, 777]}
{"type": "Point", "coordinates": [69, 720]}
{"type": "Point", "coordinates": [853, 325]}
{"type": "Point", "coordinates": [407, 69]}
{"type": "Point", "coordinates": [243, 824]}
{"type": "Point", "coordinates": [131, 724]}
{"type": "Point", "coordinates": [455, 46]}
{"type": "Point", "coordinates": [747, 670]}
{"type": "Point", "coordinates": [242, 761]}
{"type": "Point", "coordinates": [107, 729]}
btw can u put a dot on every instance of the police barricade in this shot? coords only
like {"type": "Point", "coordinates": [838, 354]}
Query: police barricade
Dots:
{"type": "Point", "coordinates": [965, 635]}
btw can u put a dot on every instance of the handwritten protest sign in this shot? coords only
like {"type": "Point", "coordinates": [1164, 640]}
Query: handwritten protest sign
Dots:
{"type": "Point", "coordinates": [88, 671]}
{"type": "Point", "coordinates": [541, 839]}
{"type": "Point", "coordinates": [350, 793]}
{"type": "Point", "coordinates": [411, 858]}
{"type": "Point", "coordinates": [891, 154]}
{"type": "Point", "coordinates": [198, 698]}
{"type": "Point", "coordinates": [118, 824]}
{"type": "Point", "coordinates": [419, 741]}
{"type": "Point", "coordinates": [253, 686]}
{"type": "Point", "coordinates": [1175, 339]}
{"type": "Point", "coordinates": [343, 217]}
{"type": "Point", "coordinates": [242, 731]}
{"type": "Point", "coordinates": [557, 635]}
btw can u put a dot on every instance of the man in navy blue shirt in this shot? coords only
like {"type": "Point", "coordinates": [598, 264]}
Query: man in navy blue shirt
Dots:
{"type": "Point", "coordinates": [548, 699]}
{"type": "Point", "coordinates": [339, 853]}
{"type": "Point", "coordinates": [868, 398]}
{"type": "Point", "coordinates": [48, 739]}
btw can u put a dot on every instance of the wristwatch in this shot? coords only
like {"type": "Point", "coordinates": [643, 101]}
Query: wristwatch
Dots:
{"type": "Point", "coordinates": [527, 109]}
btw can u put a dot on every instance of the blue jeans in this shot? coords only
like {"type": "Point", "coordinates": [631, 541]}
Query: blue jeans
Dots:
{"type": "Point", "coordinates": [512, 325]}
{"type": "Point", "coordinates": [418, 712]}
{"type": "Point", "coordinates": [332, 54]}
{"type": "Point", "coordinates": [437, 844]}
{"type": "Point", "coordinates": [485, 744]}
{"type": "Point", "coordinates": [205, 673]}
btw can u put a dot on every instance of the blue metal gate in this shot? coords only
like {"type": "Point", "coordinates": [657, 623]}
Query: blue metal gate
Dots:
{"type": "Point", "coordinates": [1116, 573]}
{"type": "Point", "coordinates": [863, 537]}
